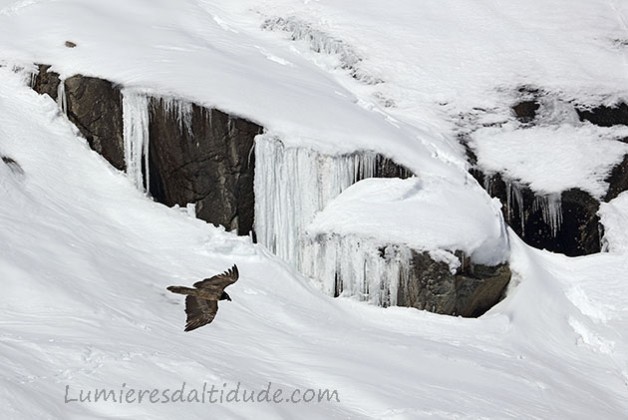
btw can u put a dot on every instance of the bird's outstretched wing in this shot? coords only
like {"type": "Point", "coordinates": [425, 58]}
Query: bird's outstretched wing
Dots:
{"type": "Point", "coordinates": [218, 282]}
{"type": "Point", "coordinates": [199, 312]}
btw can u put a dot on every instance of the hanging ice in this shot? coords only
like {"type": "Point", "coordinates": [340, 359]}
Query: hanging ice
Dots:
{"type": "Point", "coordinates": [135, 118]}
{"type": "Point", "coordinates": [292, 184]}
{"type": "Point", "coordinates": [358, 267]}
{"type": "Point", "coordinates": [62, 101]}
{"type": "Point", "coordinates": [179, 110]}
{"type": "Point", "coordinates": [514, 196]}
{"type": "Point", "coordinates": [551, 209]}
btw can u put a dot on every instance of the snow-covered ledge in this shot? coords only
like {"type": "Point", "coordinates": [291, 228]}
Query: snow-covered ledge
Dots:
{"type": "Point", "coordinates": [411, 242]}
{"type": "Point", "coordinates": [292, 184]}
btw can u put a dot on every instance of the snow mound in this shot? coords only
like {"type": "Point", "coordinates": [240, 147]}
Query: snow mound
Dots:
{"type": "Point", "coordinates": [420, 213]}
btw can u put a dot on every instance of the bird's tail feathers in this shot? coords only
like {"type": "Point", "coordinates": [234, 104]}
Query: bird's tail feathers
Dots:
{"type": "Point", "coordinates": [182, 290]}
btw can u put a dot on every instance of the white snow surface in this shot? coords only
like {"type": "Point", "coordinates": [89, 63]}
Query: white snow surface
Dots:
{"type": "Point", "coordinates": [85, 257]}
{"type": "Point", "coordinates": [552, 159]}
{"type": "Point", "coordinates": [420, 214]}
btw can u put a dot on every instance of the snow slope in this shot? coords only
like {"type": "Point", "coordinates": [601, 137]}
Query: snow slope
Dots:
{"type": "Point", "coordinates": [85, 259]}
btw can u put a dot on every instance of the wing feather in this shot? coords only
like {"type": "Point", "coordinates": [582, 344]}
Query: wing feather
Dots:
{"type": "Point", "coordinates": [199, 312]}
{"type": "Point", "coordinates": [219, 281]}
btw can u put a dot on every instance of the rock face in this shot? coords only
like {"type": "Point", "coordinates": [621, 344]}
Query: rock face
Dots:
{"type": "Point", "coordinates": [396, 275]}
{"type": "Point", "coordinates": [94, 106]}
{"type": "Point", "coordinates": [567, 223]}
{"type": "Point", "coordinates": [605, 116]}
{"type": "Point", "coordinates": [525, 111]}
{"type": "Point", "coordinates": [470, 292]}
{"type": "Point", "coordinates": [207, 161]}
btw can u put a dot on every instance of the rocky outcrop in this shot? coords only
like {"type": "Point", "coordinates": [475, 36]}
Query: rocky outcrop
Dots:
{"type": "Point", "coordinates": [94, 106]}
{"type": "Point", "coordinates": [396, 275]}
{"type": "Point", "coordinates": [525, 111]}
{"type": "Point", "coordinates": [13, 165]}
{"type": "Point", "coordinates": [605, 116]}
{"type": "Point", "coordinates": [617, 180]}
{"type": "Point", "coordinates": [469, 292]}
{"type": "Point", "coordinates": [567, 223]}
{"type": "Point", "coordinates": [206, 160]}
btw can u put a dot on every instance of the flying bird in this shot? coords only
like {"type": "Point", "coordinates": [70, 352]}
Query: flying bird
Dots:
{"type": "Point", "coordinates": [201, 302]}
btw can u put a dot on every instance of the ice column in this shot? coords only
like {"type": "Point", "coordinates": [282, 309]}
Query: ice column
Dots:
{"type": "Point", "coordinates": [514, 196]}
{"type": "Point", "coordinates": [551, 209]}
{"type": "Point", "coordinates": [180, 110]}
{"type": "Point", "coordinates": [357, 267]}
{"type": "Point", "coordinates": [62, 100]}
{"type": "Point", "coordinates": [135, 118]}
{"type": "Point", "coordinates": [292, 184]}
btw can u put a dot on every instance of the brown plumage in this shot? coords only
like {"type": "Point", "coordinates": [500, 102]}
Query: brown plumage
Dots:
{"type": "Point", "coordinates": [201, 302]}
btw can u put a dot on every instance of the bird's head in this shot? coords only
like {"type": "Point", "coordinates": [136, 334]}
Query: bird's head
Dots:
{"type": "Point", "coordinates": [224, 296]}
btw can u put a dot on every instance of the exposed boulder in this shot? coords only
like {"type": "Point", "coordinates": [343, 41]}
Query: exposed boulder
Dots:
{"type": "Point", "coordinates": [93, 105]}
{"type": "Point", "coordinates": [605, 116]}
{"type": "Point", "coordinates": [440, 260]}
{"type": "Point", "coordinates": [617, 180]}
{"type": "Point", "coordinates": [13, 165]}
{"type": "Point", "coordinates": [46, 81]}
{"type": "Point", "coordinates": [205, 159]}
{"type": "Point", "coordinates": [525, 111]}
{"type": "Point", "coordinates": [566, 222]}
{"type": "Point", "coordinates": [469, 292]}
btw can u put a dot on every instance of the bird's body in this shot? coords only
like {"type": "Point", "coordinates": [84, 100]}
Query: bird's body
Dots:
{"type": "Point", "coordinates": [201, 302]}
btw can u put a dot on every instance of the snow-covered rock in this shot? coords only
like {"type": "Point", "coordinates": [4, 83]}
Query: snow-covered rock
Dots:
{"type": "Point", "coordinates": [380, 241]}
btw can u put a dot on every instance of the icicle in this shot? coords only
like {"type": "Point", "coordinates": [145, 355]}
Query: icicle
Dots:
{"type": "Point", "coordinates": [135, 118]}
{"type": "Point", "coordinates": [551, 210]}
{"type": "Point", "coordinates": [514, 196]}
{"type": "Point", "coordinates": [181, 111]}
{"type": "Point", "coordinates": [358, 267]}
{"type": "Point", "coordinates": [62, 101]}
{"type": "Point", "coordinates": [292, 184]}
{"type": "Point", "coordinates": [488, 183]}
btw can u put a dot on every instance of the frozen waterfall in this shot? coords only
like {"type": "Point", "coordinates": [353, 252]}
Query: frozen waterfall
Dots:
{"type": "Point", "coordinates": [292, 184]}
{"type": "Point", "coordinates": [135, 118]}
{"type": "Point", "coordinates": [358, 267]}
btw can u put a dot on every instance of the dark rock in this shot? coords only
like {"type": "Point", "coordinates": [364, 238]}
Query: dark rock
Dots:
{"type": "Point", "coordinates": [207, 160]}
{"type": "Point", "coordinates": [578, 230]}
{"type": "Point", "coordinates": [525, 111]}
{"type": "Point", "coordinates": [617, 180]}
{"type": "Point", "coordinates": [13, 165]}
{"type": "Point", "coordinates": [605, 116]}
{"type": "Point", "coordinates": [70, 44]}
{"type": "Point", "coordinates": [209, 163]}
{"type": "Point", "coordinates": [95, 107]}
{"type": "Point", "coordinates": [470, 292]}
{"type": "Point", "coordinates": [46, 81]}
{"type": "Point", "coordinates": [387, 168]}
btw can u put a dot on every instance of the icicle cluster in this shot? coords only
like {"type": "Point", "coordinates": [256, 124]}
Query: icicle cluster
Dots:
{"type": "Point", "coordinates": [514, 196]}
{"type": "Point", "coordinates": [357, 267]}
{"type": "Point", "coordinates": [135, 118]}
{"type": "Point", "coordinates": [292, 184]}
{"type": "Point", "coordinates": [321, 42]}
{"type": "Point", "coordinates": [180, 110]}
{"type": "Point", "coordinates": [551, 209]}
